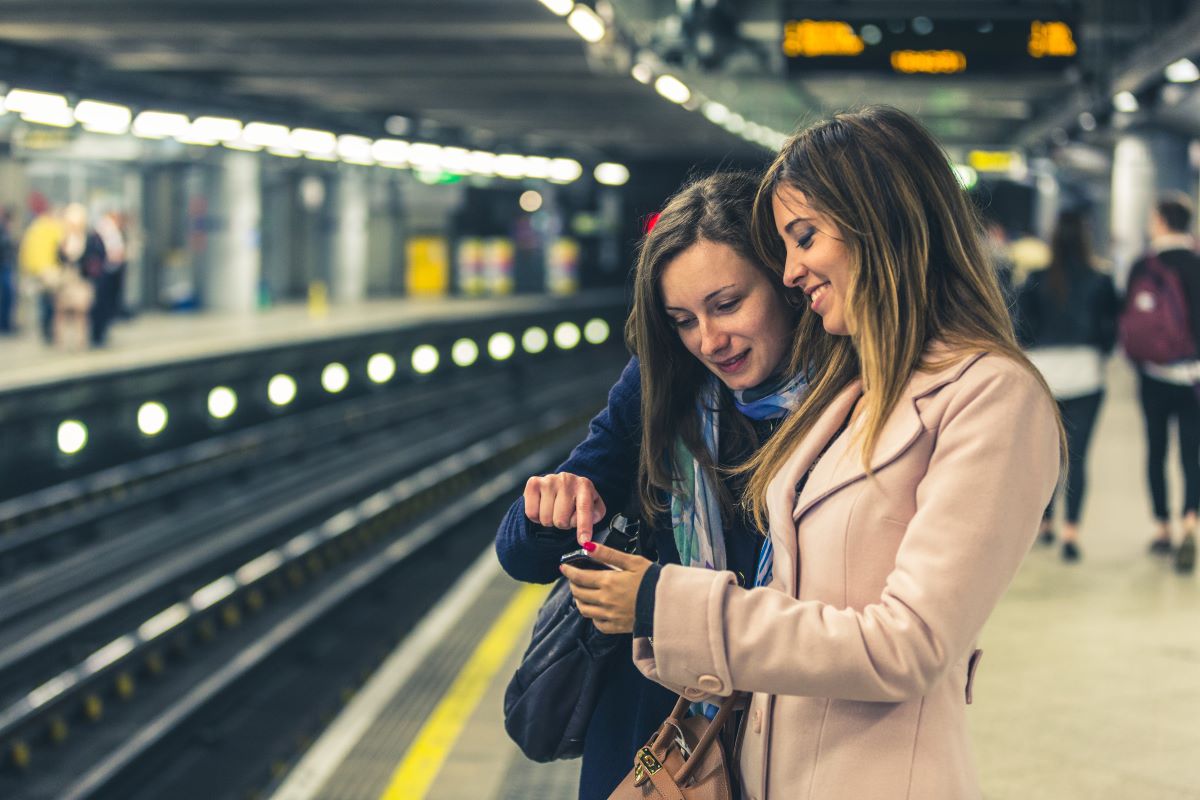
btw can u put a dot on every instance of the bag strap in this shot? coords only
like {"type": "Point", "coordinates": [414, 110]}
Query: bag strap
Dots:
{"type": "Point", "coordinates": [706, 740]}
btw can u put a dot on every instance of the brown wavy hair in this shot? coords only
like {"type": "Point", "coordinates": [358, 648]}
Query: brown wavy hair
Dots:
{"type": "Point", "coordinates": [718, 209]}
{"type": "Point", "coordinates": [919, 271]}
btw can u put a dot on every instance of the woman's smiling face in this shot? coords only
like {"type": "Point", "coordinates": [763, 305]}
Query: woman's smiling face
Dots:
{"type": "Point", "coordinates": [818, 261]}
{"type": "Point", "coordinates": [727, 313]}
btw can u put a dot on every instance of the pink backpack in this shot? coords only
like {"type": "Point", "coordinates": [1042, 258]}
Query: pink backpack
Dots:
{"type": "Point", "coordinates": [1154, 325]}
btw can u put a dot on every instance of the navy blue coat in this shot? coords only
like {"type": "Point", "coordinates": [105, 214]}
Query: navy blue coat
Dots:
{"type": "Point", "coordinates": [630, 707]}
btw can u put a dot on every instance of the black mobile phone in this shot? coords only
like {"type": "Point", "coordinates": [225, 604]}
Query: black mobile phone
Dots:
{"type": "Point", "coordinates": [583, 560]}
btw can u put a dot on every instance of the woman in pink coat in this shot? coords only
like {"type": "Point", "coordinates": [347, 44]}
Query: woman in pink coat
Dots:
{"type": "Point", "coordinates": [901, 496]}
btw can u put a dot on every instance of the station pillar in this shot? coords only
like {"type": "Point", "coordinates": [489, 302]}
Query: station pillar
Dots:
{"type": "Point", "coordinates": [1146, 162]}
{"type": "Point", "coordinates": [351, 241]}
{"type": "Point", "coordinates": [237, 267]}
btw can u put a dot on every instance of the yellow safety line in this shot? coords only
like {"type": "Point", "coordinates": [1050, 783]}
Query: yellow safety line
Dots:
{"type": "Point", "coordinates": [415, 775]}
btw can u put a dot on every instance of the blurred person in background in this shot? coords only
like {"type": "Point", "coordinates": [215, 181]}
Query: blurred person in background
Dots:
{"type": "Point", "coordinates": [38, 260]}
{"type": "Point", "coordinates": [1168, 390]}
{"type": "Point", "coordinates": [8, 274]}
{"type": "Point", "coordinates": [110, 291]}
{"type": "Point", "coordinates": [996, 244]}
{"type": "Point", "coordinates": [1027, 253]}
{"type": "Point", "coordinates": [82, 255]}
{"type": "Point", "coordinates": [1067, 323]}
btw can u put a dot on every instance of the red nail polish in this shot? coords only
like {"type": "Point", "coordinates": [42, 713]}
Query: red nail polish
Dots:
{"type": "Point", "coordinates": [589, 546]}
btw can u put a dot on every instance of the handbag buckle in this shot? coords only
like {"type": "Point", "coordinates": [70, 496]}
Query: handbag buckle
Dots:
{"type": "Point", "coordinates": [647, 765]}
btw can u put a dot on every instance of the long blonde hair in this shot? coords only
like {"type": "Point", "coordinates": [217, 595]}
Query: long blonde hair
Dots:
{"type": "Point", "coordinates": [919, 272]}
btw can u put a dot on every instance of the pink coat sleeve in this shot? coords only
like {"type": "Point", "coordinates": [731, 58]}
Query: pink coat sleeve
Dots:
{"type": "Point", "coordinates": [978, 503]}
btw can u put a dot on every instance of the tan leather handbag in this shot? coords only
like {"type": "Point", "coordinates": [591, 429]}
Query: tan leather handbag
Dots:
{"type": "Point", "coordinates": [684, 759]}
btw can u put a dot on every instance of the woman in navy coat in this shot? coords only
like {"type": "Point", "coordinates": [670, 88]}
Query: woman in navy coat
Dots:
{"type": "Point", "coordinates": [714, 370]}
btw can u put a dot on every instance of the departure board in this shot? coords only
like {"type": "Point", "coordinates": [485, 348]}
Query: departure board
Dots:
{"type": "Point", "coordinates": [921, 45]}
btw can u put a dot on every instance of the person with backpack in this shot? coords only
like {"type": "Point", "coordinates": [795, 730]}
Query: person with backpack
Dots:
{"type": "Point", "coordinates": [1067, 324]}
{"type": "Point", "coordinates": [1158, 332]}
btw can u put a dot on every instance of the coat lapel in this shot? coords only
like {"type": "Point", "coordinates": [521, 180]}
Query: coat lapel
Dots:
{"type": "Point", "coordinates": [781, 494]}
{"type": "Point", "coordinates": [843, 464]}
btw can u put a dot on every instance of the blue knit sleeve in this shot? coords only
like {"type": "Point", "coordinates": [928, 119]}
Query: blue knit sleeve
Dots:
{"type": "Point", "coordinates": [608, 457]}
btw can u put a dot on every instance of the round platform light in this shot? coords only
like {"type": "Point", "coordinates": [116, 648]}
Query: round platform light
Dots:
{"type": "Point", "coordinates": [281, 389]}
{"type": "Point", "coordinates": [464, 352]}
{"type": "Point", "coordinates": [425, 359]}
{"type": "Point", "coordinates": [72, 436]}
{"type": "Point", "coordinates": [381, 367]}
{"type": "Point", "coordinates": [534, 340]}
{"type": "Point", "coordinates": [566, 335]}
{"type": "Point", "coordinates": [596, 331]}
{"type": "Point", "coordinates": [530, 201]}
{"type": "Point", "coordinates": [334, 377]}
{"type": "Point", "coordinates": [152, 418]}
{"type": "Point", "coordinates": [222, 402]}
{"type": "Point", "coordinates": [501, 345]}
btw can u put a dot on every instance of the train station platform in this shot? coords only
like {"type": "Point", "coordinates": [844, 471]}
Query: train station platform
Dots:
{"type": "Point", "coordinates": [1087, 689]}
{"type": "Point", "coordinates": [156, 338]}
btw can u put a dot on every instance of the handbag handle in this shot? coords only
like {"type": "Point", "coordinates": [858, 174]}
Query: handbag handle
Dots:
{"type": "Point", "coordinates": [706, 739]}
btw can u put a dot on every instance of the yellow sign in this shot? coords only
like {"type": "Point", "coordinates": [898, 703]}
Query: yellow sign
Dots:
{"type": "Point", "coordinates": [1050, 39]}
{"type": "Point", "coordinates": [811, 38]}
{"type": "Point", "coordinates": [993, 160]}
{"type": "Point", "coordinates": [939, 62]}
{"type": "Point", "coordinates": [428, 272]}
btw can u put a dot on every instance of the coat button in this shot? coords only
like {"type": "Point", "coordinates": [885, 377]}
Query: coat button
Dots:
{"type": "Point", "coordinates": [710, 684]}
{"type": "Point", "coordinates": [693, 694]}
{"type": "Point", "coordinates": [757, 720]}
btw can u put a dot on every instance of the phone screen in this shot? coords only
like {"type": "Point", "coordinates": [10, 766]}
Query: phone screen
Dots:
{"type": "Point", "coordinates": [583, 560]}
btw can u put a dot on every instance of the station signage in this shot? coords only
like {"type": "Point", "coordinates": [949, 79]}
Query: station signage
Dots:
{"type": "Point", "coordinates": [814, 42]}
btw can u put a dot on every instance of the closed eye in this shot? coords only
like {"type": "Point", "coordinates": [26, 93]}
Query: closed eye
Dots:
{"type": "Point", "coordinates": [805, 241]}
{"type": "Point", "coordinates": [684, 323]}
{"type": "Point", "coordinates": [729, 305]}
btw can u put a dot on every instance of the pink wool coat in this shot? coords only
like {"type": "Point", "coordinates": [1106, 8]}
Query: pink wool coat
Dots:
{"type": "Point", "coordinates": [860, 652]}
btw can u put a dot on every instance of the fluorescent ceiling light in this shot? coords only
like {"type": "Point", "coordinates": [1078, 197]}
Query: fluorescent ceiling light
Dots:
{"type": "Point", "coordinates": [266, 134]}
{"type": "Point", "coordinates": [423, 154]}
{"type": "Point", "coordinates": [481, 162]}
{"type": "Point", "coordinates": [611, 174]}
{"type": "Point", "coordinates": [100, 117]}
{"type": "Point", "coordinates": [559, 7]}
{"type": "Point", "coordinates": [715, 112]}
{"type": "Point", "coordinates": [23, 101]}
{"type": "Point", "coordinates": [58, 117]}
{"type": "Point", "coordinates": [1125, 102]}
{"type": "Point", "coordinates": [355, 149]}
{"type": "Point", "coordinates": [390, 151]}
{"type": "Point", "coordinates": [1182, 71]}
{"type": "Point", "coordinates": [217, 129]}
{"type": "Point", "coordinates": [673, 89]}
{"type": "Point", "coordinates": [159, 124]}
{"type": "Point", "coordinates": [587, 24]}
{"type": "Point", "coordinates": [565, 170]}
{"type": "Point", "coordinates": [537, 167]}
{"type": "Point", "coordinates": [455, 159]}
{"type": "Point", "coordinates": [510, 165]}
{"type": "Point", "coordinates": [308, 140]}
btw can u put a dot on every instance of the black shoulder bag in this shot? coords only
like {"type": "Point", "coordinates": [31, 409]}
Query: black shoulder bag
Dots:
{"type": "Point", "coordinates": [551, 697]}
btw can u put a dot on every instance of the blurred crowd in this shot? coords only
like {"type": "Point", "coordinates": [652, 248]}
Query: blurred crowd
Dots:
{"type": "Point", "coordinates": [69, 264]}
{"type": "Point", "coordinates": [1070, 317]}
